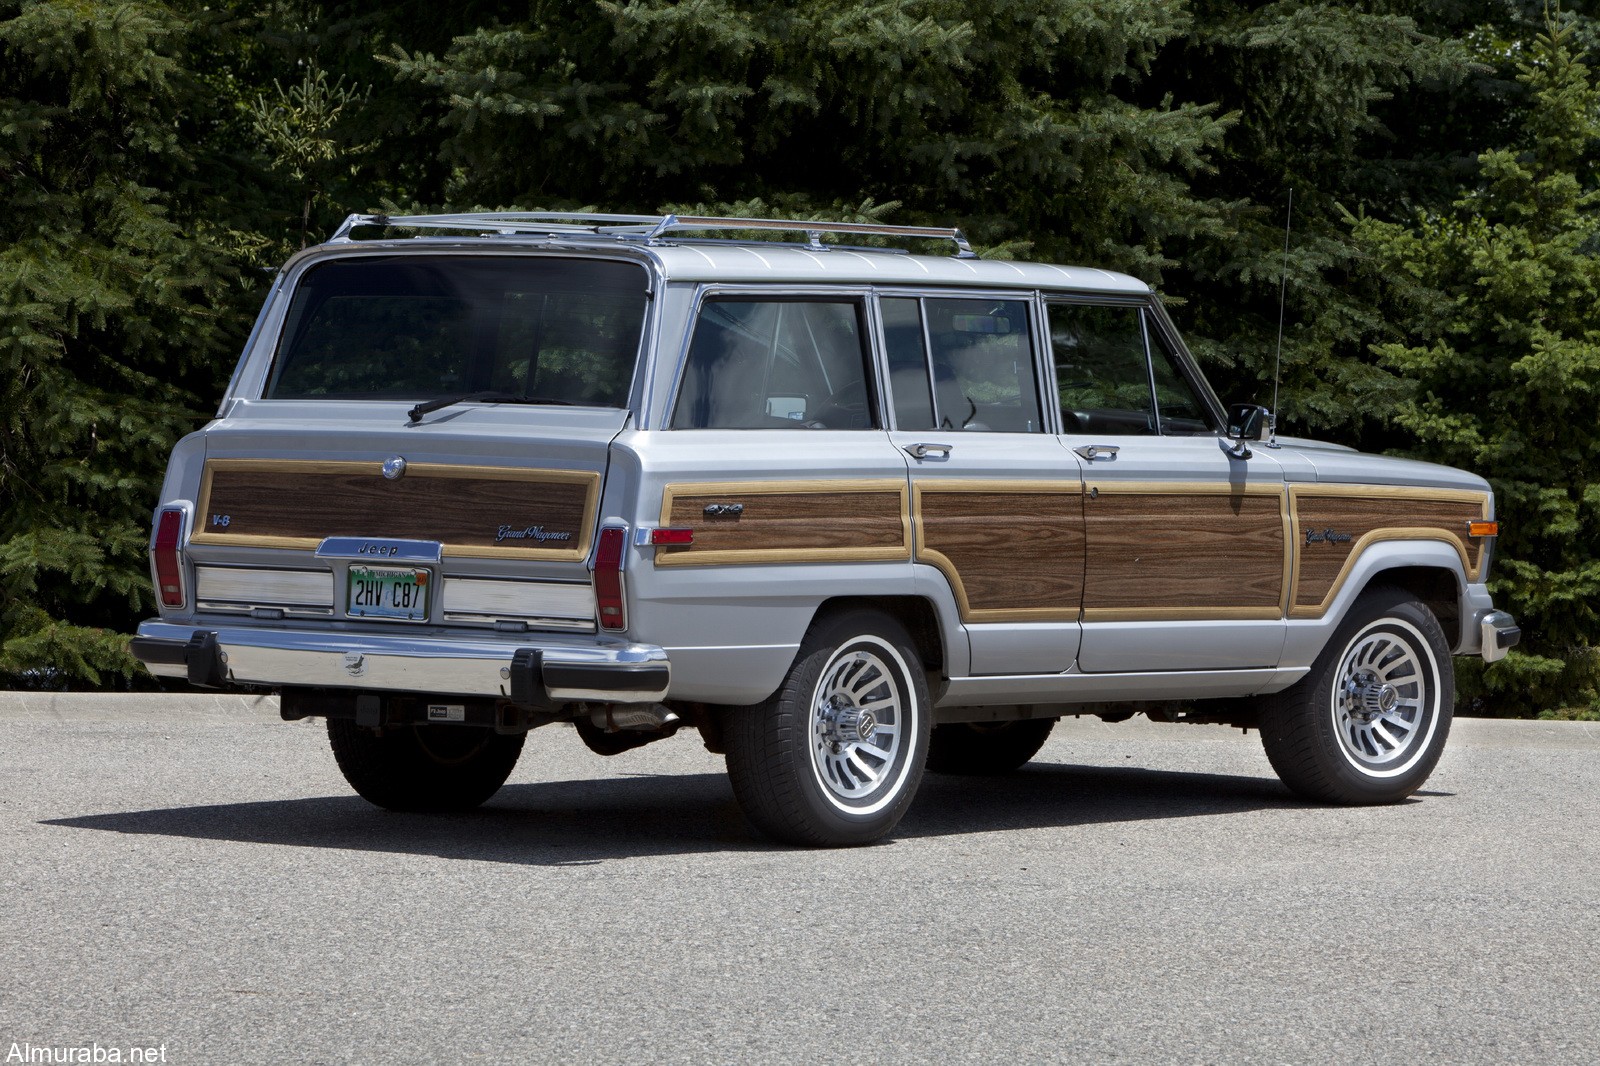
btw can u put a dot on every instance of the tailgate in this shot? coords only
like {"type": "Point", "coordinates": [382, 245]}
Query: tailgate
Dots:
{"type": "Point", "coordinates": [477, 517]}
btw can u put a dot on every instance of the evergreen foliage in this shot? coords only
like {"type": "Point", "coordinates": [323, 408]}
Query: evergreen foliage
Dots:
{"type": "Point", "coordinates": [1338, 103]}
{"type": "Point", "coordinates": [108, 303]}
{"type": "Point", "coordinates": [1014, 118]}
{"type": "Point", "coordinates": [1497, 364]}
{"type": "Point", "coordinates": [158, 157]}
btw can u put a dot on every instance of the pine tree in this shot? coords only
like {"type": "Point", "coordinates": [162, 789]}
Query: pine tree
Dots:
{"type": "Point", "coordinates": [1497, 366]}
{"type": "Point", "coordinates": [1358, 105]}
{"type": "Point", "coordinates": [1015, 119]}
{"type": "Point", "coordinates": [110, 282]}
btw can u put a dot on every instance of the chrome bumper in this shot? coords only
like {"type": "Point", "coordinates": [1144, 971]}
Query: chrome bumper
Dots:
{"type": "Point", "coordinates": [541, 668]}
{"type": "Point", "coordinates": [1499, 632]}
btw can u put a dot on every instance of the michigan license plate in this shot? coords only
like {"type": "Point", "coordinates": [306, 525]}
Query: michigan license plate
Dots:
{"type": "Point", "coordinates": [388, 592]}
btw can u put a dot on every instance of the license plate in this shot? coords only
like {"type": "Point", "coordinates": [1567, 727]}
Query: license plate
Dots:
{"type": "Point", "coordinates": [388, 592]}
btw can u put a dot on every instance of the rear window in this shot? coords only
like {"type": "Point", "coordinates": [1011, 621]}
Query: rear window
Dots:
{"type": "Point", "coordinates": [419, 327]}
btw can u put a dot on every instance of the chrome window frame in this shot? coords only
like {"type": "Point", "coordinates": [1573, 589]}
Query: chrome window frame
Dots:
{"type": "Point", "coordinates": [861, 295]}
{"type": "Point", "coordinates": [1187, 366]}
{"type": "Point", "coordinates": [1151, 314]}
{"type": "Point", "coordinates": [1038, 336]}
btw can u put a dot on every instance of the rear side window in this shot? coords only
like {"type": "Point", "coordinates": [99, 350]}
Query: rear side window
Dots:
{"type": "Point", "coordinates": [776, 364]}
{"type": "Point", "coordinates": [419, 327]}
{"type": "Point", "coordinates": [910, 383]}
{"type": "Point", "coordinates": [961, 364]}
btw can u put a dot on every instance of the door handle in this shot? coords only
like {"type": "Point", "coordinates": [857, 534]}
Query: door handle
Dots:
{"type": "Point", "coordinates": [1097, 453]}
{"type": "Point", "coordinates": [922, 451]}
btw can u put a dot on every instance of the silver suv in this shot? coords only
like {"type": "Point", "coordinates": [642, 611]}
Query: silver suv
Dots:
{"type": "Point", "coordinates": [848, 512]}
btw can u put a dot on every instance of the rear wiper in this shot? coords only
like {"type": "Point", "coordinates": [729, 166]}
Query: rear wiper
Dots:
{"type": "Point", "coordinates": [439, 403]}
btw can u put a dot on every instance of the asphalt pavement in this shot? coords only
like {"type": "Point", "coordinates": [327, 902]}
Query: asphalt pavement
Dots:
{"type": "Point", "coordinates": [190, 874]}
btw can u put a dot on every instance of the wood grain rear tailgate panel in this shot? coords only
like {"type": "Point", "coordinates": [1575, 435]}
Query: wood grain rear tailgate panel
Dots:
{"type": "Point", "coordinates": [474, 511]}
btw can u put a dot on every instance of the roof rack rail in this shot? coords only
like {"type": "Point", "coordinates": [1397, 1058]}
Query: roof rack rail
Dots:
{"type": "Point", "coordinates": [650, 229]}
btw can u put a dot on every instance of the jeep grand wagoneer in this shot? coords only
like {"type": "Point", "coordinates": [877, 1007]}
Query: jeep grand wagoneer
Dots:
{"type": "Point", "coordinates": [847, 512]}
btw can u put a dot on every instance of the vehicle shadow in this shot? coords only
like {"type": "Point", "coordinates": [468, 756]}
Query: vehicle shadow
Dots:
{"type": "Point", "coordinates": [579, 822]}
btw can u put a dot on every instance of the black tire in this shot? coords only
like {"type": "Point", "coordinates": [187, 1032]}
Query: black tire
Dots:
{"type": "Point", "coordinates": [835, 756]}
{"type": "Point", "coordinates": [424, 767]}
{"type": "Point", "coordinates": [986, 748]}
{"type": "Point", "coordinates": [1368, 723]}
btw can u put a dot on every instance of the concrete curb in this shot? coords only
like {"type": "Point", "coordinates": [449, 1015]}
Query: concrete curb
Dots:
{"type": "Point", "coordinates": [135, 707]}
{"type": "Point", "coordinates": [223, 710]}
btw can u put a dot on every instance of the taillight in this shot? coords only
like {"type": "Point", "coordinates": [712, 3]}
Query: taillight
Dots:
{"type": "Point", "coordinates": [169, 565]}
{"type": "Point", "coordinates": [608, 578]}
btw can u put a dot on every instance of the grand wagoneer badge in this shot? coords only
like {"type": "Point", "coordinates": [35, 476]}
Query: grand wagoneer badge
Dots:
{"type": "Point", "coordinates": [538, 533]}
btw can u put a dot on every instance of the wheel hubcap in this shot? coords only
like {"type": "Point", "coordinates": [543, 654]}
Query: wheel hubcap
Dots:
{"type": "Point", "coordinates": [858, 719]}
{"type": "Point", "coordinates": [1383, 702]}
{"type": "Point", "coordinates": [1370, 696]}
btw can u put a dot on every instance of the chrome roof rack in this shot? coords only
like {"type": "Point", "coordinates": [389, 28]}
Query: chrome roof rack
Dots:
{"type": "Point", "coordinates": [648, 229]}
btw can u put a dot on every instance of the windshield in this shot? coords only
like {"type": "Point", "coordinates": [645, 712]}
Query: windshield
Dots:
{"type": "Point", "coordinates": [418, 327]}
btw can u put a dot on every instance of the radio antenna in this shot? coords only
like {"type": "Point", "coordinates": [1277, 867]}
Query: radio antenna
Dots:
{"type": "Point", "coordinates": [1277, 362]}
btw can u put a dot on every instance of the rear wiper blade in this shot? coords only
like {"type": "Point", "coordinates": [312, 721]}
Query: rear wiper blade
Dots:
{"type": "Point", "coordinates": [439, 403]}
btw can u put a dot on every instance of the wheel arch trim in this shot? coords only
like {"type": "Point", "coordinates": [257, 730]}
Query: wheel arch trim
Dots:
{"type": "Point", "coordinates": [1401, 562]}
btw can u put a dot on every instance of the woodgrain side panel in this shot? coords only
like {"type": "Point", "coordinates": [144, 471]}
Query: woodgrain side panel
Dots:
{"type": "Point", "coordinates": [472, 511]}
{"type": "Point", "coordinates": [1332, 525]}
{"type": "Point", "coordinates": [787, 521]}
{"type": "Point", "coordinates": [1184, 552]}
{"type": "Point", "coordinates": [1012, 552]}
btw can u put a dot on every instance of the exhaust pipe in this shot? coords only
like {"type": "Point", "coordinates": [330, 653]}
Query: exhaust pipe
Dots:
{"type": "Point", "coordinates": [613, 728]}
{"type": "Point", "coordinates": [647, 718]}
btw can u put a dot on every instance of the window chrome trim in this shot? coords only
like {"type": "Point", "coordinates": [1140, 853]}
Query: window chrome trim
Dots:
{"type": "Point", "coordinates": [1038, 347]}
{"type": "Point", "coordinates": [860, 295]}
{"type": "Point", "coordinates": [1154, 321]}
{"type": "Point", "coordinates": [1150, 373]}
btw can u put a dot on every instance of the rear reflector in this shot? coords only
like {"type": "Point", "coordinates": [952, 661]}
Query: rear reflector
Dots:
{"type": "Point", "coordinates": [169, 565]}
{"type": "Point", "coordinates": [672, 535]}
{"type": "Point", "coordinates": [1483, 529]}
{"type": "Point", "coordinates": [608, 578]}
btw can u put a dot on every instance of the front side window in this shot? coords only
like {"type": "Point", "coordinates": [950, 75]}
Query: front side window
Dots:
{"type": "Point", "coordinates": [418, 327]}
{"type": "Point", "coordinates": [1177, 403]}
{"type": "Point", "coordinates": [758, 363]}
{"type": "Point", "coordinates": [1115, 377]}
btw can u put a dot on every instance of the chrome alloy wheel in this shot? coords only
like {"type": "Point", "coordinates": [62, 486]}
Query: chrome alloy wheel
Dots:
{"type": "Point", "coordinates": [861, 715]}
{"type": "Point", "coordinates": [1385, 698]}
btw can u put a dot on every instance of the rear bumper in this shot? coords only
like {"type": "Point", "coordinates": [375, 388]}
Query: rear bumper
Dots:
{"type": "Point", "coordinates": [546, 668]}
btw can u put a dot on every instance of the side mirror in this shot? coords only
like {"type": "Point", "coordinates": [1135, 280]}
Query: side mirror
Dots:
{"type": "Point", "coordinates": [1245, 422]}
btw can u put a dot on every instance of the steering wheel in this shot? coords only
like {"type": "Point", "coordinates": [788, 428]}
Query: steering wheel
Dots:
{"type": "Point", "coordinates": [845, 409]}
